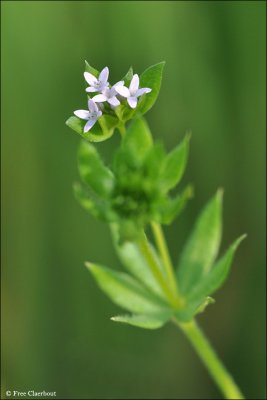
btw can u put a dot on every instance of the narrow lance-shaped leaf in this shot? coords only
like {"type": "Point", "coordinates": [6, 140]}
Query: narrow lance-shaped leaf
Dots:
{"type": "Point", "coordinates": [125, 291]}
{"type": "Point", "coordinates": [202, 247]}
{"type": "Point", "coordinates": [193, 307]}
{"type": "Point", "coordinates": [207, 301]}
{"type": "Point", "coordinates": [138, 138]}
{"type": "Point", "coordinates": [134, 261]}
{"type": "Point", "coordinates": [216, 277]}
{"type": "Point", "coordinates": [128, 77]}
{"type": "Point", "coordinates": [153, 162]}
{"type": "Point", "coordinates": [143, 321]}
{"type": "Point", "coordinates": [85, 200]}
{"type": "Point", "coordinates": [175, 206]}
{"type": "Point", "coordinates": [92, 70]}
{"type": "Point", "coordinates": [150, 78]}
{"type": "Point", "coordinates": [93, 172]}
{"type": "Point", "coordinates": [97, 207]}
{"type": "Point", "coordinates": [175, 164]}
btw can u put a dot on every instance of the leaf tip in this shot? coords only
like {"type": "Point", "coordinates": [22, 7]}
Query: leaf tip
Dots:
{"type": "Point", "coordinates": [240, 239]}
{"type": "Point", "coordinates": [188, 135]}
{"type": "Point", "coordinates": [89, 265]}
{"type": "Point", "coordinates": [115, 319]}
{"type": "Point", "coordinates": [237, 242]}
{"type": "Point", "coordinates": [219, 194]}
{"type": "Point", "coordinates": [67, 122]}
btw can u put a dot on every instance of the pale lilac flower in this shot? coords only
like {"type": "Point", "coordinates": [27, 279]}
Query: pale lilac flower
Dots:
{"type": "Point", "coordinates": [109, 95]}
{"type": "Point", "coordinates": [90, 115]}
{"type": "Point", "coordinates": [97, 85]}
{"type": "Point", "coordinates": [133, 92]}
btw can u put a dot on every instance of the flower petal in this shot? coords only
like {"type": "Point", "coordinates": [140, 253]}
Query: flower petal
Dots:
{"type": "Point", "coordinates": [91, 89]}
{"type": "Point", "coordinates": [89, 124]}
{"type": "Point", "coordinates": [132, 101]}
{"type": "Point", "coordinates": [134, 85]}
{"type": "Point", "coordinates": [92, 106]}
{"type": "Point", "coordinates": [114, 101]}
{"type": "Point", "coordinates": [120, 83]}
{"type": "Point", "coordinates": [83, 114]}
{"type": "Point", "coordinates": [99, 98]}
{"type": "Point", "coordinates": [109, 92]}
{"type": "Point", "coordinates": [123, 91]}
{"type": "Point", "coordinates": [103, 76]}
{"type": "Point", "coordinates": [91, 79]}
{"type": "Point", "coordinates": [142, 91]}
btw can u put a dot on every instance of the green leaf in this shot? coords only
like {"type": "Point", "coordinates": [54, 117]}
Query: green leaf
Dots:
{"type": "Point", "coordinates": [143, 321]}
{"type": "Point", "coordinates": [175, 206]}
{"type": "Point", "coordinates": [216, 277]}
{"type": "Point", "coordinates": [93, 171]}
{"type": "Point", "coordinates": [202, 247]}
{"type": "Point", "coordinates": [174, 164]}
{"type": "Point", "coordinates": [128, 77]}
{"type": "Point", "coordinates": [124, 112]}
{"type": "Point", "coordinates": [138, 138]}
{"type": "Point", "coordinates": [207, 301]}
{"type": "Point", "coordinates": [193, 308]}
{"type": "Point", "coordinates": [150, 78]}
{"type": "Point", "coordinates": [92, 70]}
{"type": "Point", "coordinates": [108, 123]}
{"type": "Point", "coordinates": [102, 130]}
{"type": "Point", "coordinates": [83, 198]}
{"type": "Point", "coordinates": [134, 261]}
{"type": "Point", "coordinates": [97, 207]}
{"type": "Point", "coordinates": [125, 291]}
{"type": "Point", "coordinates": [153, 164]}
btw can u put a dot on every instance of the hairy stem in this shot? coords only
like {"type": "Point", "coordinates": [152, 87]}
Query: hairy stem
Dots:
{"type": "Point", "coordinates": [208, 356]}
{"type": "Point", "coordinates": [165, 256]}
{"type": "Point", "coordinates": [149, 257]}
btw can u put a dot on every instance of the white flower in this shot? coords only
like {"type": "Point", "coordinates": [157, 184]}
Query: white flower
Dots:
{"type": "Point", "coordinates": [91, 116]}
{"type": "Point", "coordinates": [133, 92]}
{"type": "Point", "coordinates": [109, 95]}
{"type": "Point", "coordinates": [97, 85]}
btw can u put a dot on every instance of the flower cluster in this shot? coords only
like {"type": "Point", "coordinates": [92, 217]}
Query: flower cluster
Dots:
{"type": "Point", "coordinates": [105, 93]}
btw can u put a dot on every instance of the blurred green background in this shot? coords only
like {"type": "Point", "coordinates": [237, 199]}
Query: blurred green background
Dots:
{"type": "Point", "coordinates": [57, 335]}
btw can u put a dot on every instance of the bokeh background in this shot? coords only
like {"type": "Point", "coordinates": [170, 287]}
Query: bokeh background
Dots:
{"type": "Point", "coordinates": [57, 335]}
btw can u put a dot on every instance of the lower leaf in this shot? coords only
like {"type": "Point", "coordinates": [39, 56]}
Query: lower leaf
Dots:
{"type": "Point", "coordinates": [175, 206]}
{"type": "Point", "coordinates": [126, 292]}
{"type": "Point", "coordinates": [216, 277]}
{"type": "Point", "coordinates": [134, 261]}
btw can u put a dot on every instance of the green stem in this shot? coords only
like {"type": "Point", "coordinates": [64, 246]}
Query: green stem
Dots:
{"type": "Point", "coordinates": [215, 367]}
{"type": "Point", "coordinates": [149, 257]}
{"type": "Point", "coordinates": [165, 256]}
{"type": "Point", "coordinates": [122, 129]}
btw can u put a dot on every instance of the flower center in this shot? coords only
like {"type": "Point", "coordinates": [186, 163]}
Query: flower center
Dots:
{"type": "Point", "coordinates": [97, 84]}
{"type": "Point", "coordinates": [93, 115]}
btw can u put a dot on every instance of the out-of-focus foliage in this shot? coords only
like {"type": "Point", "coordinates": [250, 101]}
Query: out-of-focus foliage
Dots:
{"type": "Point", "coordinates": [56, 329]}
